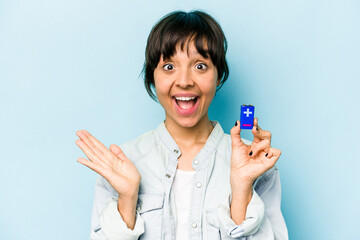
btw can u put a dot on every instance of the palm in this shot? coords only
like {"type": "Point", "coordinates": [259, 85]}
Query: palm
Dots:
{"type": "Point", "coordinates": [112, 164]}
{"type": "Point", "coordinates": [122, 176]}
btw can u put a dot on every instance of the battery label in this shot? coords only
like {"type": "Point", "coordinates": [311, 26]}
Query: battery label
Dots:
{"type": "Point", "coordinates": [247, 116]}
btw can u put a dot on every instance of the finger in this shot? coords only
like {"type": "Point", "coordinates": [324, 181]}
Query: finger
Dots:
{"type": "Point", "coordinates": [270, 154]}
{"type": "Point", "coordinates": [235, 136]}
{"type": "Point", "coordinates": [262, 146]}
{"type": "Point", "coordinates": [88, 139]}
{"type": "Point", "coordinates": [90, 154]}
{"type": "Point", "coordinates": [92, 165]}
{"type": "Point", "coordinates": [259, 134]}
{"type": "Point", "coordinates": [97, 143]}
{"type": "Point", "coordinates": [118, 152]}
{"type": "Point", "coordinates": [273, 155]}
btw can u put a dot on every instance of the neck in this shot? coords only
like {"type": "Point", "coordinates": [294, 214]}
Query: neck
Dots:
{"type": "Point", "coordinates": [197, 134]}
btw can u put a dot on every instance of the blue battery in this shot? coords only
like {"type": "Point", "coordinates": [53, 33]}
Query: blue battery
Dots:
{"type": "Point", "coordinates": [247, 116]}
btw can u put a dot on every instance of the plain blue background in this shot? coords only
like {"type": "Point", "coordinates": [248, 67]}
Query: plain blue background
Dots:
{"type": "Point", "coordinates": [67, 65]}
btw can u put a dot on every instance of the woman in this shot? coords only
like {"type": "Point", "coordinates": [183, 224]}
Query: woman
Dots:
{"type": "Point", "coordinates": [186, 179]}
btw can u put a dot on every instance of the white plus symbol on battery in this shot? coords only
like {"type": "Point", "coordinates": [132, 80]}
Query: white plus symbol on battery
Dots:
{"type": "Point", "coordinates": [247, 112]}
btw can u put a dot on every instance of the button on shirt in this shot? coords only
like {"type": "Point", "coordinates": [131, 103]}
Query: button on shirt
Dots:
{"type": "Point", "coordinates": [155, 154]}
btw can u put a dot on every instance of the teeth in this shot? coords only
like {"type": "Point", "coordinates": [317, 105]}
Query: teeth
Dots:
{"type": "Point", "coordinates": [185, 98]}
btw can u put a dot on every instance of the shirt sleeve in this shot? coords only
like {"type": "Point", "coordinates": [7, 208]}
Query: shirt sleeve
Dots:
{"type": "Point", "coordinates": [263, 219]}
{"type": "Point", "coordinates": [106, 221]}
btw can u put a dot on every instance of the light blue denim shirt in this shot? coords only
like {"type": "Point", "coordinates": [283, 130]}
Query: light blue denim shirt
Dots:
{"type": "Point", "coordinates": [155, 155]}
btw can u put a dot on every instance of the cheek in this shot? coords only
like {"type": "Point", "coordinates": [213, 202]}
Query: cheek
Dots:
{"type": "Point", "coordinates": [162, 88]}
{"type": "Point", "coordinates": [157, 83]}
{"type": "Point", "coordinates": [212, 81]}
{"type": "Point", "coordinates": [209, 87]}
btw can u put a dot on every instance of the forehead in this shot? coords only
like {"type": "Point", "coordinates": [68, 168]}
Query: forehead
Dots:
{"type": "Point", "coordinates": [188, 47]}
{"type": "Point", "coordinates": [191, 51]}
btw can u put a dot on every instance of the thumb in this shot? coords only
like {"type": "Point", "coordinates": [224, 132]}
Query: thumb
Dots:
{"type": "Point", "coordinates": [235, 136]}
{"type": "Point", "coordinates": [118, 152]}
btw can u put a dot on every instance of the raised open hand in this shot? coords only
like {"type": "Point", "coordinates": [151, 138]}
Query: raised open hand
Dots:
{"type": "Point", "coordinates": [248, 162]}
{"type": "Point", "coordinates": [112, 164]}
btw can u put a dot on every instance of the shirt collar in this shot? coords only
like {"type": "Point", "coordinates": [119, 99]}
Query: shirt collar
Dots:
{"type": "Point", "coordinates": [209, 147]}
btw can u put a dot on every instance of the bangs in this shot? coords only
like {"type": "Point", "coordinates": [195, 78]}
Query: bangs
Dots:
{"type": "Point", "coordinates": [181, 28]}
{"type": "Point", "coordinates": [169, 49]}
{"type": "Point", "coordinates": [182, 34]}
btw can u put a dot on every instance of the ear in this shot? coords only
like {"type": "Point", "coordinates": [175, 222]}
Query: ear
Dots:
{"type": "Point", "coordinates": [218, 82]}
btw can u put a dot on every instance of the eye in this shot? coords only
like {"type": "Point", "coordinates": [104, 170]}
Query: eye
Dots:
{"type": "Point", "coordinates": [168, 67]}
{"type": "Point", "coordinates": [201, 66]}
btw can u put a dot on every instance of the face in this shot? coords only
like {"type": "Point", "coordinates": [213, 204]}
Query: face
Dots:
{"type": "Point", "coordinates": [185, 86]}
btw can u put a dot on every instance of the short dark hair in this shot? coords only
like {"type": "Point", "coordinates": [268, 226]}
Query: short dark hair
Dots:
{"type": "Point", "coordinates": [175, 28]}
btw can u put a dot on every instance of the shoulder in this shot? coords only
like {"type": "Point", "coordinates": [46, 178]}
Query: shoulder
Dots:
{"type": "Point", "coordinates": [140, 146]}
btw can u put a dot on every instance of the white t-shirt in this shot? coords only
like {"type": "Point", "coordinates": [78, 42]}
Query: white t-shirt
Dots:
{"type": "Point", "coordinates": [183, 181]}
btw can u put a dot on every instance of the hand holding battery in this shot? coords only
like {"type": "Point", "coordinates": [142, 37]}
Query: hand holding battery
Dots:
{"type": "Point", "coordinates": [248, 162]}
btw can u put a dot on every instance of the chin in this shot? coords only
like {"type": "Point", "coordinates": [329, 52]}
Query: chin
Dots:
{"type": "Point", "coordinates": [187, 123]}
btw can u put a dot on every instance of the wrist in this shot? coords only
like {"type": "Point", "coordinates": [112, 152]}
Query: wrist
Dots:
{"type": "Point", "coordinates": [127, 204]}
{"type": "Point", "coordinates": [241, 194]}
{"type": "Point", "coordinates": [240, 181]}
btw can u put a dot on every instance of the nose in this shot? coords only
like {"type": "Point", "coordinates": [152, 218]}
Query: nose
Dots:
{"type": "Point", "coordinates": [185, 78]}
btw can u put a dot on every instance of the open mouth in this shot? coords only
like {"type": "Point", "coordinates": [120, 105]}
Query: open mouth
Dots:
{"type": "Point", "coordinates": [186, 105]}
{"type": "Point", "coordinates": [186, 102]}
